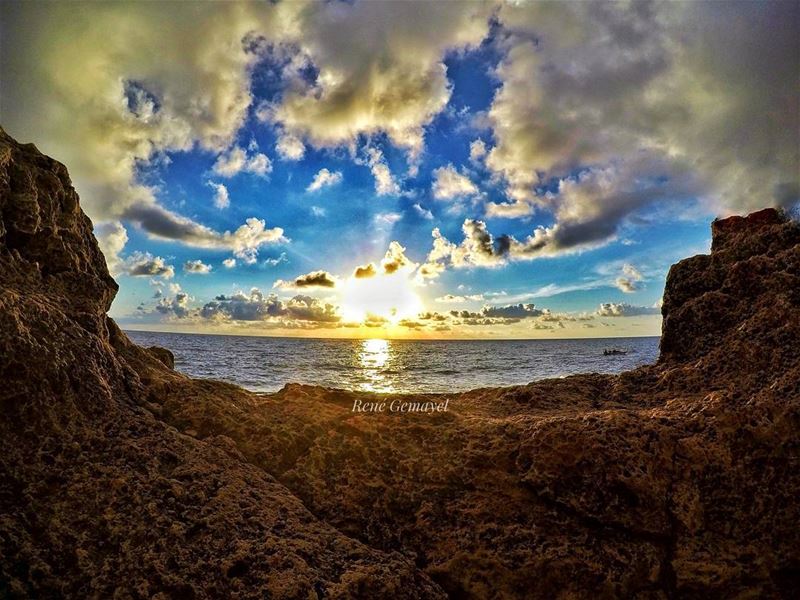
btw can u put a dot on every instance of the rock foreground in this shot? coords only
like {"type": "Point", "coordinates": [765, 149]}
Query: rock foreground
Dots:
{"type": "Point", "coordinates": [120, 477]}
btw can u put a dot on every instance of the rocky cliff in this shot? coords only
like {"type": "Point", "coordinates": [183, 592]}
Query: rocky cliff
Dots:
{"type": "Point", "coordinates": [121, 477]}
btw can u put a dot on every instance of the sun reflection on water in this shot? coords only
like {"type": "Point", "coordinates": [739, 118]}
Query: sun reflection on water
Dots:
{"type": "Point", "coordinates": [373, 357]}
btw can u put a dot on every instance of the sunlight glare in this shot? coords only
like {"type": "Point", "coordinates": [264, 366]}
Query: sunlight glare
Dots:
{"type": "Point", "coordinates": [373, 357]}
{"type": "Point", "coordinates": [389, 297]}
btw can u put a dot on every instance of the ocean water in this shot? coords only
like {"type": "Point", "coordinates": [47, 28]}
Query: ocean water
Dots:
{"type": "Point", "coordinates": [266, 364]}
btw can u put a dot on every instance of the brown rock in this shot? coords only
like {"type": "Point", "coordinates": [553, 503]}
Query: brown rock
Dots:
{"type": "Point", "coordinates": [100, 499]}
{"type": "Point", "coordinates": [166, 357]}
{"type": "Point", "coordinates": [676, 480]}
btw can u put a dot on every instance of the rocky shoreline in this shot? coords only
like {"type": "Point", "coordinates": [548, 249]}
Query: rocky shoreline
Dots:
{"type": "Point", "coordinates": [120, 477]}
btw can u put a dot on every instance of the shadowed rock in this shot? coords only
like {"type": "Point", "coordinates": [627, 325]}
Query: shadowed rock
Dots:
{"type": "Point", "coordinates": [674, 480]}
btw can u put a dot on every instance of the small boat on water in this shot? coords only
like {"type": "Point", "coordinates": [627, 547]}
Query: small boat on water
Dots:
{"type": "Point", "coordinates": [613, 352]}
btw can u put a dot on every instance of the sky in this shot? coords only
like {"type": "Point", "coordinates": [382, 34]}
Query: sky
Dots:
{"type": "Point", "coordinates": [406, 169]}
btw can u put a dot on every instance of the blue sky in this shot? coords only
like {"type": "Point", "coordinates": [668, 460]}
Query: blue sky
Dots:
{"type": "Point", "coordinates": [508, 170]}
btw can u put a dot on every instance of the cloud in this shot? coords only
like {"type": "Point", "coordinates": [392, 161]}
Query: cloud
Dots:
{"type": "Point", "coordinates": [365, 271]}
{"type": "Point", "coordinates": [229, 263]}
{"type": "Point", "coordinates": [496, 315]}
{"type": "Point", "coordinates": [628, 282]}
{"type": "Point", "coordinates": [449, 183]}
{"type": "Point", "coordinates": [454, 299]}
{"type": "Point", "coordinates": [244, 242]}
{"type": "Point", "coordinates": [627, 105]}
{"type": "Point", "coordinates": [385, 184]}
{"type": "Point", "coordinates": [144, 264]}
{"type": "Point", "coordinates": [512, 311]}
{"type": "Point", "coordinates": [256, 306]}
{"type": "Point", "coordinates": [622, 309]}
{"type": "Point", "coordinates": [290, 147]}
{"type": "Point", "coordinates": [320, 279]}
{"type": "Point", "coordinates": [111, 237]}
{"type": "Point", "coordinates": [197, 267]}
{"type": "Point", "coordinates": [274, 262]}
{"type": "Point", "coordinates": [235, 161]}
{"type": "Point", "coordinates": [386, 219]}
{"type": "Point", "coordinates": [396, 259]}
{"type": "Point", "coordinates": [324, 178]}
{"type": "Point", "coordinates": [318, 211]}
{"type": "Point", "coordinates": [590, 209]}
{"type": "Point", "coordinates": [477, 151]}
{"type": "Point", "coordinates": [478, 249]}
{"type": "Point", "coordinates": [666, 103]}
{"type": "Point", "coordinates": [221, 197]}
{"type": "Point", "coordinates": [380, 69]}
{"type": "Point", "coordinates": [133, 83]}
{"type": "Point", "coordinates": [177, 306]}
{"type": "Point", "coordinates": [423, 212]}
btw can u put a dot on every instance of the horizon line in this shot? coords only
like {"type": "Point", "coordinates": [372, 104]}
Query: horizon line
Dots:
{"type": "Point", "coordinates": [391, 339]}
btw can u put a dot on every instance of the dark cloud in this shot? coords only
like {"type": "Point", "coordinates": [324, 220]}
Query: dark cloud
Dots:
{"type": "Point", "coordinates": [244, 242]}
{"type": "Point", "coordinates": [255, 306]}
{"type": "Point", "coordinates": [144, 264]}
{"type": "Point", "coordinates": [196, 266]}
{"type": "Point", "coordinates": [432, 316]}
{"type": "Point", "coordinates": [498, 315]}
{"type": "Point", "coordinates": [513, 311]}
{"type": "Point", "coordinates": [365, 271]}
{"type": "Point", "coordinates": [178, 306]}
{"type": "Point", "coordinates": [319, 279]}
{"type": "Point", "coordinates": [411, 324]}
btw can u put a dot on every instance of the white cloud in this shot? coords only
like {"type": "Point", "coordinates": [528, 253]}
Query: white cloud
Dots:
{"type": "Point", "coordinates": [290, 147]}
{"type": "Point", "coordinates": [324, 178]}
{"type": "Point", "coordinates": [449, 183]}
{"type": "Point", "coordinates": [236, 160]}
{"type": "Point", "coordinates": [396, 260]}
{"type": "Point", "coordinates": [380, 68]}
{"type": "Point", "coordinates": [622, 309]}
{"type": "Point", "coordinates": [197, 267]}
{"type": "Point", "coordinates": [318, 211]}
{"type": "Point", "coordinates": [221, 197]}
{"type": "Point", "coordinates": [385, 183]}
{"type": "Point", "coordinates": [229, 263]}
{"type": "Point", "coordinates": [111, 238]}
{"type": "Point", "coordinates": [273, 262]}
{"type": "Point", "coordinates": [477, 150]}
{"type": "Point", "coordinates": [630, 279]}
{"type": "Point", "coordinates": [454, 299]}
{"type": "Point", "coordinates": [423, 212]}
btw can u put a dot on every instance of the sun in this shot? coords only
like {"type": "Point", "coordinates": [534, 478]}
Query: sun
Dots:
{"type": "Point", "coordinates": [390, 297]}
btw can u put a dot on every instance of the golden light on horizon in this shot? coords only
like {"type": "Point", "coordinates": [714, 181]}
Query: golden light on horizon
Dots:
{"type": "Point", "coordinates": [390, 297]}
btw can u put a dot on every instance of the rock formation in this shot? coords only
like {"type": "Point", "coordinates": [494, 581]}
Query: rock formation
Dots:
{"type": "Point", "coordinates": [120, 476]}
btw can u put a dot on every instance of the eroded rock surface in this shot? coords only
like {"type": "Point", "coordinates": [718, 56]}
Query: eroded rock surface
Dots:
{"type": "Point", "coordinates": [99, 497]}
{"type": "Point", "coordinates": [679, 479]}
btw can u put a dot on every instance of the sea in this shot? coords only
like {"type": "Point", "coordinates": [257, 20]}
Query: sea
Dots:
{"type": "Point", "coordinates": [266, 364]}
